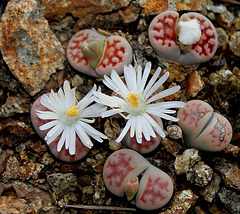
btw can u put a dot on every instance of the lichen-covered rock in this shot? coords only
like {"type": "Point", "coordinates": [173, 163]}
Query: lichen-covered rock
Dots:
{"type": "Point", "coordinates": [30, 49]}
{"type": "Point", "coordinates": [185, 161]}
{"type": "Point", "coordinates": [200, 174]}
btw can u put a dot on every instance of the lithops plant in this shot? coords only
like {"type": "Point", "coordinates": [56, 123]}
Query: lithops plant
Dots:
{"type": "Point", "coordinates": [93, 54]}
{"type": "Point", "coordinates": [204, 129]}
{"type": "Point", "coordinates": [63, 122]}
{"type": "Point", "coordinates": [190, 39]}
{"type": "Point", "coordinates": [120, 167]}
{"type": "Point", "coordinates": [121, 171]}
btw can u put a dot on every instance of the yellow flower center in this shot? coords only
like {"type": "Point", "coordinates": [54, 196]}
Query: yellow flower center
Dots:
{"type": "Point", "coordinates": [72, 112]}
{"type": "Point", "coordinates": [133, 99]}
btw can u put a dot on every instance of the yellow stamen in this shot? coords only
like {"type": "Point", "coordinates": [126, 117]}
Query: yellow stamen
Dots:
{"type": "Point", "coordinates": [72, 112]}
{"type": "Point", "coordinates": [133, 99]}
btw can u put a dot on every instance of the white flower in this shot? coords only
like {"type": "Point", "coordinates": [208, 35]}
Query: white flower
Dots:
{"type": "Point", "coordinates": [189, 32]}
{"type": "Point", "coordinates": [69, 118]}
{"type": "Point", "coordinates": [135, 101]}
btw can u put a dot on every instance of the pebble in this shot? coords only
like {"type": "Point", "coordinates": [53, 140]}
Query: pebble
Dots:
{"type": "Point", "coordinates": [223, 38]}
{"type": "Point", "coordinates": [200, 174]}
{"type": "Point", "coordinates": [216, 8]}
{"type": "Point", "coordinates": [15, 104]}
{"type": "Point", "coordinates": [209, 192]}
{"type": "Point", "coordinates": [38, 199]}
{"type": "Point", "coordinates": [229, 172]}
{"type": "Point", "coordinates": [11, 204]}
{"type": "Point", "coordinates": [226, 83]}
{"type": "Point", "coordinates": [181, 202]}
{"type": "Point", "coordinates": [30, 49]}
{"type": "Point", "coordinates": [4, 156]}
{"type": "Point", "coordinates": [194, 85]}
{"type": "Point", "coordinates": [13, 132]}
{"type": "Point", "coordinates": [170, 146]}
{"type": "Point", "coordinates": [184, 162]}
{"type": "Point", "coordinates": [234, 43]}
{"type": "Point", "coordinates": [230, 199]}
{"type": "Point", "coordinates": [12, 168]}
{"type": "Point", "coordinates": [225, 19]}
{"type": "Point", "coordinates": [233, 150]}
{"type": "Point", "coordinates": [62, 184]}
{"type": "Point", "coordinates": [55, 9]}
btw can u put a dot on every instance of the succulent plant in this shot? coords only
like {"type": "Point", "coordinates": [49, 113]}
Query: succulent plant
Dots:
{"type": "Point", "coordinates": [120, 174]}
{"type": "Point", "coordinates": [63, 122]}
{"type": "Point", "coordinates": [120, 167]}
{"type": "Point", "coordinates": [202, 128]}
{"type": "Point", "coordinates": [93, 54]}
{"type": "Point", "coordinates": [190, 39]}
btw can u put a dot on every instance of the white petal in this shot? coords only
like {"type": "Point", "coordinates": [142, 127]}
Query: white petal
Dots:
{"type": "Point", "coordinates": [138, 129]}
{"type": "Point", "coordinates": [146, 73]}
{"type": "Point", "coordinates": [49, 125]}
{"type": "Point", "coordinates": [47, 102]}
{"type": "Point", "coordinates": [57, 131]}
{"type": "Point", "coordinates": [155, 126]}
{"type": "Point", "coordinates": [152, 81]}
{"type": "Point", "coordinates": [67, 142]}
{"type": "Point", "coordinates": [72, 144]}
{"type": "Point", "coordinates": [157, 85]}
{"type": "Point", "coordinates": [84, 103]}
{"type": "Point", "coordinates": [166, 105]}
{"type": "Point", "coordinates": [124, 131]}
{"type": "Point", "coordinates": [132, 123]}
{"type": "Point", "coordinates": [139, 76]}
{"type": "Point", "coordinates": [162, 115]}
{"type": "Point", "coordinates": [54, 129]}
{"type": "Point", "coordinates": [147, 127]}
{"type": "Point", "coordinates": [164, 93]}
{"type": "Point", "coordinates": [111, 112]}
{"type": "Point", "coordinates": [58, 103]}
{"type": "Point", "coordinates": [119, 83]}
{"type": "Point", "coordinates": [94, 110]}
{"type": "Point", "coordinates": [130, 78]}
{"type": "Point", "coordinates": [92, 131]}
{"type": "Point", "coordinates": [61, 141]}
{"type": "Point", "coordinates": [47, 115]}
{"type": "Point", "coordinates": [111, 101]}
{"type": "Point", "coordinates": [83, 136]}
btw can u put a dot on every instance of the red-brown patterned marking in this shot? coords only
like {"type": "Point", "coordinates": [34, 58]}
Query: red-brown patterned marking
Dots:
{"type": "Point", "coordinates": [154, 190]}
{"type": "Point", "coordinates": [205, 46]}
{"type": "Point", "coordinates": [167, 31]}
{"type": "Point", "coordinates": [77, 48]}
{"type": "Point", "coordinates": [120, 168]}
{"type": "Point", "coordinates": [194, 114]}
{"type": "Point", "coordinates": [111, 55]}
